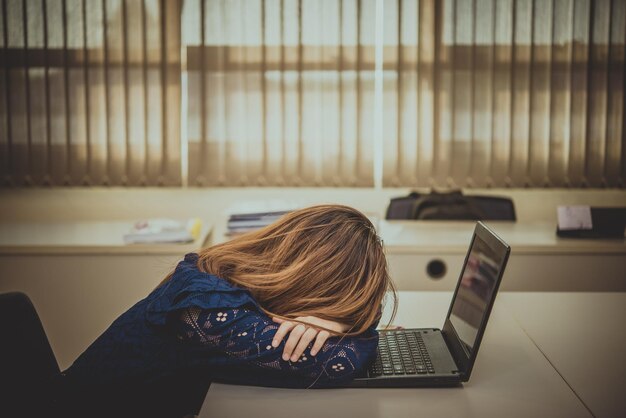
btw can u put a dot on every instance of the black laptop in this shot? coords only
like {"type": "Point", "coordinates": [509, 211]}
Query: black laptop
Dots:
{"type": "Point", "coordinates": [434, 357]}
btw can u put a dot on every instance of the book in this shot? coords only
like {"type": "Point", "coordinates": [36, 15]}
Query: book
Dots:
{"type": "Point", "coordinates": [258, 215]}
{"type": "Point", "coordinates": [591, 222]}
{"type": "Point", "coordinates": [149, 231]}
{"type": "Point", "coordinates": [246, 222]}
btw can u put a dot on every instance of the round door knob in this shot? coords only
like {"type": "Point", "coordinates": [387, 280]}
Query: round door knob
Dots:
{"type": "Point", "coordinates": [436, 269]}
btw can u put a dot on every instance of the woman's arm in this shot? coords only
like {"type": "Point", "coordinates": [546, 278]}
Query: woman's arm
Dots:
{"type": "Point", "coordinates": [301, 335]}
{"type": "Point", "coordinates": [241, 339]}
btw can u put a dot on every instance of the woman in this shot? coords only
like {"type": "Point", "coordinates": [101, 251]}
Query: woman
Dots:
{"type": "Point", "coordinates": [295, 304]}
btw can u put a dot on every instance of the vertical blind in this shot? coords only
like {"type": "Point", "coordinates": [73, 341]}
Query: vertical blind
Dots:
{"type": "Point", "coordinates": [90, 92]}
{"type": "Point", "coordinates": [280, 92]}
{"type": "Point", "coordinates": [469, 93]}
{"type": "Point", "coordinates": [504, 93]}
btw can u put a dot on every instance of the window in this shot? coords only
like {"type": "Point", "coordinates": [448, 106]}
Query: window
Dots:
{"type": "Point", "coordinates": [459, 93]}
{"type": "Point", "coordinates": [90, 92]}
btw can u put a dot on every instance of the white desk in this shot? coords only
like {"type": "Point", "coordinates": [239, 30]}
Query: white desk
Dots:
{"type": "Point", "coordinates": [540, 261]}
{"type": "Point", "coordinates": [81, 276]}
{"type": "Point", "coordinates": [95, 237]}
{"type": "Point", "coordinates": [511, 378]}
{"type": "Point", "coordinates": [583, 336]}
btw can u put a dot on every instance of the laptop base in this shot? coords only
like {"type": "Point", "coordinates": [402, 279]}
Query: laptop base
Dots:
{"type": "Point", "coordinates": [445, 368]}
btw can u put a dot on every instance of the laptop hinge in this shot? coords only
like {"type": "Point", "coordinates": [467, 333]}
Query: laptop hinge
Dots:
{"type": "Point", "coordinates": [454, 354]}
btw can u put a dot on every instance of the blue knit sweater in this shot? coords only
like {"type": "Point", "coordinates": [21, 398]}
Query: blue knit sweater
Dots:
{"type": "Point", "coordinates": [199, 323]}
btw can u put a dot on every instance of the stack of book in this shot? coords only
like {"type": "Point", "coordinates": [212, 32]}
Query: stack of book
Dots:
{"type": "Point", "coordinates": [163, 231]}
{"type": "Point", "coordinates": [240, 223]}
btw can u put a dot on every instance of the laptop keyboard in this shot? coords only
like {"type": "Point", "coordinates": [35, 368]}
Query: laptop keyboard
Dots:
{"type": "Point", "coordinates": [401, 353]}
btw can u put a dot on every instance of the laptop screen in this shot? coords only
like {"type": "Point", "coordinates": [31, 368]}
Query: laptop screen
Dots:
{"type": "Point", "coordinates": [475, 291]}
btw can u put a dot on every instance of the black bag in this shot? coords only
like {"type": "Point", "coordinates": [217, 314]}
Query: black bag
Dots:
{"type": "Point", "coordinates": [451, 205]}
{"type": "Point", "coordinates": [402, 207]}
{"type": "Point", "coordinates": [447, 206]}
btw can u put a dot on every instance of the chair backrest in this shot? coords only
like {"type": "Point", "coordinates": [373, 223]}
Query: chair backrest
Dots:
{"type": "Point", "coordinates": [28, 366]}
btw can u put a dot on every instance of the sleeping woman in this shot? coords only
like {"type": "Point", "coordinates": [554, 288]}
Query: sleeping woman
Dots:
{"type": "Point", "coordinates": [295, 304]}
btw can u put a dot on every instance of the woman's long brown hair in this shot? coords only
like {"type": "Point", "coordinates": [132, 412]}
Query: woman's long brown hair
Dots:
{"type": "Point", "coordinates": [325, 261]}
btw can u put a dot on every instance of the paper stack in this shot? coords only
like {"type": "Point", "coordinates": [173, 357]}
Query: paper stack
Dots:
{"type": "Point", "coordinates": [164, 231]}
{"type": "Point", "coordinates": [245, 222]}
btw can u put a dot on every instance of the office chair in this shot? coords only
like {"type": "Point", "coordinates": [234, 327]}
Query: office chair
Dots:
{"type": "Point", "coordinates": [33, 383]}
{"type": "Point", "coordinates": [28, 367]}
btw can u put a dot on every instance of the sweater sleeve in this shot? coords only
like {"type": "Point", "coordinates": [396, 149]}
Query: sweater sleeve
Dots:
{"type": "Point", "coordinates": [238, 343]}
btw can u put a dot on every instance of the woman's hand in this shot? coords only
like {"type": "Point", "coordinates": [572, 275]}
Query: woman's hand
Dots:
{"type": "Point", "coordinates": [301, 335]}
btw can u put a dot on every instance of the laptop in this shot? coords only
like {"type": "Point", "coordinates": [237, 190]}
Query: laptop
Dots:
{"type": "Point", "coordinates": [445, 357]}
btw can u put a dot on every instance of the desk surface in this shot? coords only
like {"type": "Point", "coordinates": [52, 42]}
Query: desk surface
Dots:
{"type": "Point", "coordinates": [96, 237]}
{"type": "Point", "coordinates": [455, 236]}
{"type": "Point", "coordinates": [511, 378]}
{"type": "Point", "coordinates": [583, 336]}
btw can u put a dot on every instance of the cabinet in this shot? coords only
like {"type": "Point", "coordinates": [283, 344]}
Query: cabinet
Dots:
{"type": "Point", "coordinates": [81, 276]}
{"type": "Point", "coordinates": [429, 255]}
